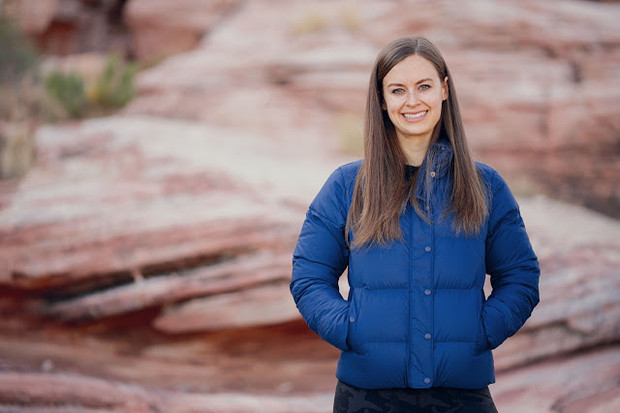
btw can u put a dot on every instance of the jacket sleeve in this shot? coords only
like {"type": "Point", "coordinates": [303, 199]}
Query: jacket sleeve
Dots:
{"type": "Point", "coordinates": [320, 258]}
{"type": "Point", "coordinates": [512, 266]}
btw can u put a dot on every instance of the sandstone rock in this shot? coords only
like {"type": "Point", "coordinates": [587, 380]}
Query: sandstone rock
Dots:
{"type": "Point", "coordinates": [264, 305]}
{"type": "Point", "coordinates": [51, 392]}
{"type": "Point", "coordinates": [229, 276]}
{"type": "Point", "coordinates": [63, 27]}
{"type": "Point", "coordinates": [136, 198]}
{"type": "Point", "coordinates": [584, 382]}
{"type": "Point", "coordinates": [177, 217]}
{"type": "Point", "coordinates": [70, 393]}
{"type": "Point", "coordinates": [120, 218]}
{"type": "Point", "coordinates": [161, 28]}
{"type": "Point", "coordinates": [533, 105]}
{"type": "Point", "coordinates": [281, 360]}
{"type": "Point", "coordinates": [579, 285]}
{"type": "Point", "coordinates": [33, 16]}
{"type": "Point", "coordinates": [240, 371]}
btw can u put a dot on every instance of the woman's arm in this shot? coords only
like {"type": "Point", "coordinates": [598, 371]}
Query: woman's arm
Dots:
{"type": "Point", "coordinates": [320, 258]}
{"type": "Point", "coordinates": [512, 265]}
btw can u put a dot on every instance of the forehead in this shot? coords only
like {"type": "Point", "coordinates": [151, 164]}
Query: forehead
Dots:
{"type": "Point", "coordinates": [411, 69]}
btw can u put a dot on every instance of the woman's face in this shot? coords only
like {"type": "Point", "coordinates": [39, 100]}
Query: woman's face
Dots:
{"type": "Point", "coordinates": [412, 96]}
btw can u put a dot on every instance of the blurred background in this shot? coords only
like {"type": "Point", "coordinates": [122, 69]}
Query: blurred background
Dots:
{"type": "Point", "coordinates": [157, 159]}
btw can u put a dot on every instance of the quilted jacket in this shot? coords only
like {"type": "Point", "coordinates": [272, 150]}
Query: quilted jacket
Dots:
{"type": "Point", "coordinates": [416, 314]}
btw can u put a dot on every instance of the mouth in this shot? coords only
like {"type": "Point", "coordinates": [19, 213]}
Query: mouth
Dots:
{"type": "Point", "coordinates": [415, 116]}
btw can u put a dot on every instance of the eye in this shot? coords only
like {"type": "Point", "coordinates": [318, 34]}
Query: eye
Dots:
{"type": "Point", "coordinates": [398, 90]}
{"type": "Point", "coordinates": [424, 87]}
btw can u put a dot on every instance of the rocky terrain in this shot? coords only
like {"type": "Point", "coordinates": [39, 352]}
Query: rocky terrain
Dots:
{"type": "Point", "coordinates": [145, 259]}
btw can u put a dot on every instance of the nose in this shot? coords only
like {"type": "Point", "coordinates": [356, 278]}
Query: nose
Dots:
{"type": "Point", "coordinates": [412, 98]}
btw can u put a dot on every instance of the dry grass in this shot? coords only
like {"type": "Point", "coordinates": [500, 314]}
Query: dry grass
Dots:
{"type": "Point", "coordinates": [310, 22]}
{"type": "Point", "coordinates": [314, 21]}
{"type": "Point", "coordinates": [350, 131]}
{"type": "Point", "coordinates": [350, 17]}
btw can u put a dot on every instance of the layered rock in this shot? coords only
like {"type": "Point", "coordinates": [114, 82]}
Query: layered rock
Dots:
{"type": "Point", "coordinates": [34, 16]}
{"type": "Point", "coordinates": [533, 78]}
{"type": "Point", "coordinates": [281, 367]}
{"type": "Point", "coordinates": [579, 286]}
{"type": "Point", "coordinates": [64, 27]}
{"type": "Point", "coordinates": [586, 382]}
{"type": "Point", "coordinates": [160, 28]}
{"type": "Point", "coordinates": [533, 81]}
{"type": "Point", "coordinates": [148, 254]}
{"type": "Point", "coordinates": [121, 216]}
{"type": "Point", "coordinates": [52, 393]}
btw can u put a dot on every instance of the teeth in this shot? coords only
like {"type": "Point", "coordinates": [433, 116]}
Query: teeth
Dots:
{"type": "Point", "coordinates": [414, 116]}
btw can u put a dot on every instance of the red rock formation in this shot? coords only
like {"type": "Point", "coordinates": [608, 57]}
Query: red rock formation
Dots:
{"type": "Point", "coordinates": [160, 28]}
{"type": "Point", "coordinates": [64, 27]}
{"type": "Point", "coordinates": [533, 80]}
{"type": "Point", "coordinates": [164, 225]}
{"type": "Point", "coordinates": [34, 16]}
{"type": "Point", "coordinates": [579, 285]}
{"type": "Point", "coordinates": [142, 253]}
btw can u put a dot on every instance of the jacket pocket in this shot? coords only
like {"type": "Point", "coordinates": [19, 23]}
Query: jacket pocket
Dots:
{"type": "Point", "coordinates": [482, 344]}
{"type": "Point", "coordinates": [354, 312]}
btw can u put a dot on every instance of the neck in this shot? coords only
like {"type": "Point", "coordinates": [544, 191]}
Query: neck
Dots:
{"type": "Point", "coordinates": [414, 148]}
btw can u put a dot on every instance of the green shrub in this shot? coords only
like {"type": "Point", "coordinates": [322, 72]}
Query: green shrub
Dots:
{"type": "Point", "coordinates": [18, 65]}
{"type": "Point", "coordinates": [68, 89]}
{"type": "Point", "coordinates": [17, 56]}
{"type": "Point", "coordinates": [114, 87]}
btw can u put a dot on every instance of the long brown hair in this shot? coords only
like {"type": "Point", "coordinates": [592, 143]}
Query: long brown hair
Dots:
{"type": "Point", "coordinates": [381, 193]}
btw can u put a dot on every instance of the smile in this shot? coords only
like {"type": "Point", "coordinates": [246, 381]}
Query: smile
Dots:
{"type": "Point", "coordinates": [414, 116]}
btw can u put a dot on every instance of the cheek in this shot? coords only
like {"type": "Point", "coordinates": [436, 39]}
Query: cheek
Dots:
{"type": "Point", "coordinates": [439, 98]}
{"type": "Point", "coordinates": [392, 104]}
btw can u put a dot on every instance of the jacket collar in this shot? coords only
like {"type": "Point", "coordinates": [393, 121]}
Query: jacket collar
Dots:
{"type": "Point", "coordinates": [440, 158]}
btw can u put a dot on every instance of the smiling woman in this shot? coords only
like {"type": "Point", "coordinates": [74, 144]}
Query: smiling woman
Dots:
{"type": "Point", "coordinates": [413, 96]}
{"type": "Point", "coordinates": [420, 73]}
{"type": "Point", "coordinates": [418, 224]}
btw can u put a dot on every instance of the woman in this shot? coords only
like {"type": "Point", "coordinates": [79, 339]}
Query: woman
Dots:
{"type": "Point", "coordinates": [419, 225]}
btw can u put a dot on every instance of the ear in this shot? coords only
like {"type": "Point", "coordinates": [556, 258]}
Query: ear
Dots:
{"type": "Point", "coordinates": [444, 89]}
{"type": "Point", "coordinates": [383, 105]}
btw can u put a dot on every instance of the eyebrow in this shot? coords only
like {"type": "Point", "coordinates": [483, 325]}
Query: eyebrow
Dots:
{"type": "Point", "coordinates": [417, 83]}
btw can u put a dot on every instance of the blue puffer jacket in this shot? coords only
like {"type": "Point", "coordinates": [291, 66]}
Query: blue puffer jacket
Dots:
{"type": "Point", "coordinates": [416, 315]}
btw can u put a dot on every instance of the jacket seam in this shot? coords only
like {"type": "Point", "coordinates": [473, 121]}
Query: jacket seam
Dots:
{"type": "Point", "coordinates": [324, 218]}
{"type": "Point", "coordinates": [385, 289]}
{"type": "Point", "coordinates": [456, 289]}
{"type": "Point", "coordinates": [494, 192]}
{"type": "Point", "coordinates": [409, 286]}
{"type": "Point", "coordinates": [345, 187]}
{"type": "Point", "coordinates": [468, 289]}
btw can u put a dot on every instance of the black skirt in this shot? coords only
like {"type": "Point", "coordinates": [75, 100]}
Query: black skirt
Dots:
{"type": "Point", "coordinates": [350, 399]}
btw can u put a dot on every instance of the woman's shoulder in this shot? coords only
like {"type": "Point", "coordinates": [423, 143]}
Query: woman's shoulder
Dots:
{"type": "Point", "coordinates": [333, 200]}
{"type": "Point", "coordinates": [485, 170]}
{"type": "Point", "coordinates": [499, 193]}
{"type": "Point", "coordinates": [349, 170]}
{"type": "Point", "coordinates": [343, 178]}
{"type": "Point", "coordinates": [490, 176]}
